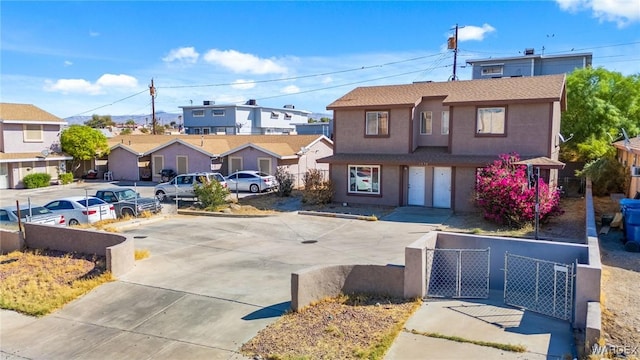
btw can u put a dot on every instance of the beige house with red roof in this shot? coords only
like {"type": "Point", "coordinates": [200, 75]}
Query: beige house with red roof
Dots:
{"type": "Point", "coordinates": [628, 154]}
{"type": "Point", "coordinates": [141, 157]}
{"type": "Point", "coordinates": [421, 144]}
{"type": "Point", "coordinates": [29, 143]}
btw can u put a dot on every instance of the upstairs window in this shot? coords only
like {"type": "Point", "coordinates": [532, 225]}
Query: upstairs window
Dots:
{"type": "Point", "coordinates": [426, 123]}
{"type": "Point", "coordinates": [197, 113]}
{"type": "Point", "coordinates": [32, 133]}
{"type": "Point", "coordinates": [288, 116]}
{"type": "Point", "coordinates": [275, 114]}
{"type": "Point", "coordinates": [444, 130]}
{"type": "Point", "coordinates": [491, 121]}
{"type": "Point", "coordinates": [217, 112]}
{"type": "Point", "coordinates": [377, 123]}
{"type": "Point", "coordinates": [492, 70]}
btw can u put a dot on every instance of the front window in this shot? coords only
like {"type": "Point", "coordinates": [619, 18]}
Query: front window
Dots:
{"type": "Point", "coordinates": [426, 123]}
{"type": "Point", "coordinates": [491, 121]}
{"type": "Point", "coordinates": [364, 179]}
{"type": "Point", "coordinates": [489, 70]}
{"type": "Point", "coordinates": [275, 114]}
{"type": "Point", "coordinates": [217, 112]}
{"type": "Point", "coordinates": [445, 123]}
{"type": "Point", "coordinates": [32, 133]}
{"type": "Point", "coordinates": [198, 113]}
{"type": "Point", "coordinates": [205, 131]}
{"type": "Point", "coordinates": [377, 123]}
{"type": "Point", "coordinates": [196, 131]}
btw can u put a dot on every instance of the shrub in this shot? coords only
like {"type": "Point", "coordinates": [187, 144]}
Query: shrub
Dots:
{"type": "Point", "coordinates": [316, 189]}
{"type": "Point", "coordinates": [37, 180]}
{"type": "Point", "coordinates": [506, 197]}
{"type": "Point", "coordinates": [210, 193]}
{"type": "Point", "coordinates": [607, 176]}
{"type": "Point", "coordinates": [285, 181]}
{"type": "Point", "coordinates": [66, 178]}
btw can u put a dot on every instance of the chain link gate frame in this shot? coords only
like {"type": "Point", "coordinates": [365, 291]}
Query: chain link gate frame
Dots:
{"type": "Point", "coordinates": [541, 286]}
{"type": "Point", "coordinates": [458, 273]}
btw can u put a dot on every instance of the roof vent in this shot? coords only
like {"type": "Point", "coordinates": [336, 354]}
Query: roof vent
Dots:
{"type": "Point", "coordinates": [251, 102]}
{"type": "Point", "coordinates": [208, 102]}
{"type": "Point", "coordinates": [289, 106]}
{"type": "Point", "coordinates": [528, 51]}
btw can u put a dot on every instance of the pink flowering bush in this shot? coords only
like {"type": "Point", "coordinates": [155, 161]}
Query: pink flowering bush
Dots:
{"type": "Point", "coordinates": [504, 194]}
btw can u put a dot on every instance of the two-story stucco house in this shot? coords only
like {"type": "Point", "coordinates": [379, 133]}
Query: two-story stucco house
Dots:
{"type": "Point", "coordinates": [421, 144]}
{"type": "Point", "coordinates": [529, 64]}
{"type": "Point", "coordinates": [246, 119]}
{"type": "Point", "coordinates": [29, 143]}
{"type": "Point", "coordinates": [628, 154]}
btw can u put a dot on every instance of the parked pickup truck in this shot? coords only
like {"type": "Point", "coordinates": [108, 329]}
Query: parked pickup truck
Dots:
{"type": "Point", "coordinates": [127, 202]}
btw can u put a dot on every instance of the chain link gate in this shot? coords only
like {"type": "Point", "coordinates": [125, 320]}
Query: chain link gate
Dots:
{"type": "Point", "coordinates": [458, 273]}
{"type": "Point", "coordinates": [541, 286]}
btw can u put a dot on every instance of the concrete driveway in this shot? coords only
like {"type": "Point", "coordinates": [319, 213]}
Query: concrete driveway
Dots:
{"type": "Point", "coordinates": [210, 285]}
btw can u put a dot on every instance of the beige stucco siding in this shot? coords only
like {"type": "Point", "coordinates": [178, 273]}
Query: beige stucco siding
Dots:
{"type": "Point", "coordinates": [464, 179]}
{"type": "Point", "coordinates": [435, 138]}
{"type": "Point", "coordinates": [350, 125]}
{"type": "Point", "coordinates": [526, 125]}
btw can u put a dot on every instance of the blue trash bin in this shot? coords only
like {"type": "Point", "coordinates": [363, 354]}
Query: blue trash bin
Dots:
{"type": "Point", "coordinates": [627, 204]}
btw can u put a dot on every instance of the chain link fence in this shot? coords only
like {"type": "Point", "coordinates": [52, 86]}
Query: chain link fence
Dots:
{"type": "Point", "coordinates": [541, 286]}
{"type": "Point", "coordinates": [458, 273]}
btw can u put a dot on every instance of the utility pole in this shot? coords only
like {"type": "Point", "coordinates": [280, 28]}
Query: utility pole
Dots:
{"type": "Point", "coordinates": [452, 44]}
{"type": "Point", "coordinates": [152, 92]}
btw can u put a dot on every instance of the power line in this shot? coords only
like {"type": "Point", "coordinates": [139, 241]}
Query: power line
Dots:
{"type": "Point", "coordinates": [115, 102]}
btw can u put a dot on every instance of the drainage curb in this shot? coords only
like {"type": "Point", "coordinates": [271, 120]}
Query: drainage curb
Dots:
{"type": "Point", "coordinates": [337, 215]}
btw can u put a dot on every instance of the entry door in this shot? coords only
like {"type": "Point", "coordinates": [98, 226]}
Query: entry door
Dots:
{"type": "Point", "coordinates": [4, 176]}
{"type": "Point", "coordinates": [442, 187]}
{"type": "Point", "coordinates": [416, 185]}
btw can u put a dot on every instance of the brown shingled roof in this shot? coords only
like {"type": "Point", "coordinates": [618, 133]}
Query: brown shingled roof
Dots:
{"type": "Point", "coordinates": [25, 112]}
{"type": "Point", "coordinates": [522, 89]}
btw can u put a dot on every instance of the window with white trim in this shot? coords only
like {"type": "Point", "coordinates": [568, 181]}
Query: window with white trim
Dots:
{"type": "Point", "coordinates": [490, 70]}
{"type": "Point", "coordinates": [197, 113]}
{"type": "Point", "coordinates": [32, 133]}
{"type": "Point", "coordinates": [217, 112]}
{"type": "Point", "coordinates": [377, 123]}
{"type": "Point", "coordinates": [196, 131]}
{"type": "Point", "coordinates": [491, 121]}
{"type": "Point", "coordinates": [205, 131]}
{"type": "Point", "coordinates": [275, 114]}
{"type": "Point", "coordinates": [235, 163]}
{"type": "Point", "coordinates": [426, 123]}
{"type": "Point", "coordinates": [364, 179]}
{"type": "Point", "coordinates": [444, 130]}
{"type": "Point", "coordinates": [288, 116]}
{"type": "Point", "coordinates": [264, 165]}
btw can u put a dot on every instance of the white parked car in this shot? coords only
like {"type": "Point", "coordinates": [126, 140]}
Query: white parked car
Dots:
{"type": "Point", "coordinates": [82, 209]}
{"type": "Point", "coordinates": [33, 214]}
{"type": "Point", "coordinates": [251, 180]}
{"type": "Point", "coordinates": [182, 185]}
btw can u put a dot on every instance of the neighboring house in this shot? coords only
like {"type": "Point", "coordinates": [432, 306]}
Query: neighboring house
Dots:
{"type": "Point", "coordinates": [319, 128]}
{"type": "Point", "coordinates": [29, 143]}
{"type": "Point", "coordinates": [628, 154]}
{"type": "Point", "coordinates": [234, 119]}
{"type": "Point", "coordinates": [422, 143]}
{"type": "Point", "coordinates": [132, 157]}
{"type": "Point", "coordinates": [528, 65]}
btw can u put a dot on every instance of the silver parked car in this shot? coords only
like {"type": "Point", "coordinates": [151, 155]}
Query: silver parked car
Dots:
{"type": "Point", "coordinates": [32, 214]}
{"type": "Point", "coordinates": [82, 209]}
{"type": "Point", "coordinates": [251, 180]}
{"type": "Point", "coordinates": [182, 185]}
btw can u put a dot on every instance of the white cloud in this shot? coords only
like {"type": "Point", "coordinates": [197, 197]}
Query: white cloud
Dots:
{"type": "Point", "coordinates": [67, 63]}
{"type": "Point", "coordinates": [111, 80]}
{"type": "Point", "coordinates": [243, 84]}
{"type": "Point", "coordinates": [243, 63]}
{"type": "Point", "coordinates": [622, 12]}
{"type": "Point", "coordinates": [67, 86]}
{"type": "Point", "coordinates": [470, 32]}
{"type": "Point", "coordinates": [185, 54]}
{"type": "Point", "coordinates": [291, 89]}
{"type": "Point", "coordinates": [81, 86]}
{"type": "Point", "coordinates": [327, 80]}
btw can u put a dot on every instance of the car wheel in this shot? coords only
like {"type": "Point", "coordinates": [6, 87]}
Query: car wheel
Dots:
{"type": "Point", "coordinates": [127, 213]}
{"type": "Point", "coordinates": [160, 195]}
{"type": "Point", "coordinates": [73, 222]}
{"type": "Point", "coordinates": [254, 188]}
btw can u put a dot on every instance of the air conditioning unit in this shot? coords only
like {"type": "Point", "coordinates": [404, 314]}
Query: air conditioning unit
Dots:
{"type": "Point", "coordinates": [635, 171]}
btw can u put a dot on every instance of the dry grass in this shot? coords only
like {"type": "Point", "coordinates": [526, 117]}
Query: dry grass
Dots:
{"type": "Point", "coordinates": [39, 282]}
{"type": "Point", "coordinates": [346, 327]}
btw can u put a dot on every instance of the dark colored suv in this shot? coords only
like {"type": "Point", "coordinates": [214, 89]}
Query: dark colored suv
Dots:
{"type": "Point", "coordinates": [127, 202]}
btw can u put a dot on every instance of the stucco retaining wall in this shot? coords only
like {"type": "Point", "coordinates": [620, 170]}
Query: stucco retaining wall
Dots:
{"type": "Point", "coordinates": [118, 249]}
{"type": "Point", "coordinates": [316, 283]}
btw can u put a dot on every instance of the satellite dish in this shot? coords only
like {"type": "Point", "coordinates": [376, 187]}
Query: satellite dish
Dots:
{"type": "Point", "coordinates": [627, 142]}
{"type": "Point", "coordinates": [44, 153]}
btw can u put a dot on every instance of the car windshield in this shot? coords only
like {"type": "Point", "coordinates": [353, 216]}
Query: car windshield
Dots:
{"type": "Point", "coordinates": [91, 201]}
{"type": "Point", "coordinates": [127, 195]}
{"type": "Point", "coordinates": [38, 210]}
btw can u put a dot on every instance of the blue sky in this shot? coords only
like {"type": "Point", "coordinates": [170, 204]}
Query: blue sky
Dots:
{"type": "Point", "coordinates": [89, 57]}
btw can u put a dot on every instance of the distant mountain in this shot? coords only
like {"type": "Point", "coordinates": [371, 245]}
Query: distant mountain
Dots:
{"type": "Point", "coordinates": [161, 117]}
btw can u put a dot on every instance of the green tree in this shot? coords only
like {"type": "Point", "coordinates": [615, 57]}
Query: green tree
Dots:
{"type": "Point", "coordinates": [325, 119]}
{"type": "Point", "coordinates": [100, 122]}
{"type": "Point", "coordinates": [130, 122]}
{"type": "Point", "coordinates": [126, 132]}
{"type": "Point", "coordinates": [83, 143]}
{"type": "Point", "coordinates": [311, 120]}
{"type": "Point", "coordinates": [599, 104]}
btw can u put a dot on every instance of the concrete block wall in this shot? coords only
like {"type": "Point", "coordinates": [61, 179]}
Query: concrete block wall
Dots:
{"type": "Point", "coordinates": [10, 241]}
